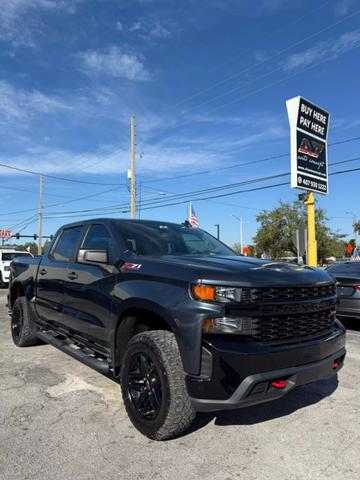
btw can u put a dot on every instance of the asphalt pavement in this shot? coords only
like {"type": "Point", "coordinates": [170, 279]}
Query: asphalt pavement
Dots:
{"type": "Point", "coordinates": [60, 420]}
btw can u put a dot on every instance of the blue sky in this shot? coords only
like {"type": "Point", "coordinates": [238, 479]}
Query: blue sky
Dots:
{"type": "Point", "coordinates": [207, 81]}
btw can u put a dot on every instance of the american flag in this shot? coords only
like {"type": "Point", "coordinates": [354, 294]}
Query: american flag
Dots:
{"type": "Point", "coordinates": [193, 218]}
{"type": "Point", "coordinates": [355, 257]}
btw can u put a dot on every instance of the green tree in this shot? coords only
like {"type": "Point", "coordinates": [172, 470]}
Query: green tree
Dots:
{"type": "Point", "coordinates": [278, 227]}
{"type": "Point", "coordinates": [32, 245]}
{"type": "Point", "coordinates": [357, 227]}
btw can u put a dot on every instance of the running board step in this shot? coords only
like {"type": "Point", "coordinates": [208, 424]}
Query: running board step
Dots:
{"type": "Point", "coordinates": [100, 365]}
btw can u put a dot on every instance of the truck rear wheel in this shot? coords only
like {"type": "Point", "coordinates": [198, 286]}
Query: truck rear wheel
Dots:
{"type": "Point", "coordinates": [20, 324]}
{"type": "Point", "coordinates": [153, 386]}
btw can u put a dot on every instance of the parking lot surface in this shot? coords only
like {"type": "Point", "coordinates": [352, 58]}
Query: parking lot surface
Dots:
{"type": "Point", "coordinates": [61, 420]}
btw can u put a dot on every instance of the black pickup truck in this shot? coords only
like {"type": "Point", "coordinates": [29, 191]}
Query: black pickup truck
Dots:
{"type": "Point", "coordinates": [177, 317]}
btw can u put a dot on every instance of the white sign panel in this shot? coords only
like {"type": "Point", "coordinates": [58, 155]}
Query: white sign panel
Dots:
{"type": "Point", "coordinates": [308, 134]}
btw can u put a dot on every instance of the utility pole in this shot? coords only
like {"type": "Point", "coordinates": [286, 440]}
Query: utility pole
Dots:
{"type": "Point", "coordinates": [132, 170]}
{"type": "Point", "coordinates": [311, 243]}
{"type": "Point", "coordinates": [217, 230]}
{"type": "Point", "coordinates": [40, 217]}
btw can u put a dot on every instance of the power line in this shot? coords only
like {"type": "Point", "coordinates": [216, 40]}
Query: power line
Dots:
{"type": "Point", "coordinates": [244, 191]}
{"type": "Point", "coordinates": [61, 203]}
{"type": "Point", "coordinates": [264, 75]}
{"type": "Point", "coordinates": [246, 182]}
{"type": "Point", "coordinates": [195, 193]}
{"type": "Point", "coordinates": [156, 201]}
{"type": "Point", "coordinates": [25, 222]}
{"type": "Point", "coordinates": [262, 62]}
{"type": "Point", "coordinates": [65, 179]}
{"type": "Point", "coordinates": [178, 201]}
{"type": "Point", "coordinates": [243, 164]}
{"type": "Point", "coordinates": [259, 90]}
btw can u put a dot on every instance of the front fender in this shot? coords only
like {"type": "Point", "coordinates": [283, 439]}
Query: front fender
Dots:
{"type": "Point", "coordinates": [173, 303]}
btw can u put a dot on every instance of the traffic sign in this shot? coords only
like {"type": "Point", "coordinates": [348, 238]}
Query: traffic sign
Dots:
{"type": "Point", "coordinates": [308, 133]}
{"type": "Point", "coordinates": [5, 233]}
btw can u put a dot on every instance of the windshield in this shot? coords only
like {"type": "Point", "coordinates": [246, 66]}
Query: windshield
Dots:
{"type": "Point", "coordinates": [169, 239]}
{"type": "Point", "coordinates": [346, 267]}
{"type": "Point", "coordinates": [9, 256]}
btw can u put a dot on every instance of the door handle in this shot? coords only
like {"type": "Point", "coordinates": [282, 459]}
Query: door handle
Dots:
{"type": "Point", "coordinates": [43, 271]}
{"type": "Point", "coordinates": [72, 276]}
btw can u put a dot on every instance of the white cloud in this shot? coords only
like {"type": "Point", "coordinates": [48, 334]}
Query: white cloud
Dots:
{"type": "Point", "coordinates": [17, 106]}
{"type": "Point", "coordinates": [343, 7]}
{"type": "Point", "coordinates": [112, 160]}
{"type": "Point", "coordinates": [327, 50]}
{"type": "Point", "coordinates": [136, 27]}
{"type": "Point", "coordinates": [114, 62]}
{"type": "Point", "coordinates": [119, 26]}
{"type": "Point", "coordinates": [20, 19]}
{"type": "Point", "coordinates": [158, 31]}
{"type": "Point", "coordinates": [150, 30]}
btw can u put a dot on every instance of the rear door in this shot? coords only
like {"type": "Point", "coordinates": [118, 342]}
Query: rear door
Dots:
{"type": "Point", "coordinates": [52, 274]}
{"type": "Point", "coordinates": [88, 288]}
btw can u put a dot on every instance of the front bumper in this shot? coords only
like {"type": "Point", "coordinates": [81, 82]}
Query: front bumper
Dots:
{"type": "Point", "coordinates": [241, 374]}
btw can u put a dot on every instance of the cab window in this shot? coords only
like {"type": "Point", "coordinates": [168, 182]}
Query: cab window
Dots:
{"type": "Point", "coordinates": [66, 246]}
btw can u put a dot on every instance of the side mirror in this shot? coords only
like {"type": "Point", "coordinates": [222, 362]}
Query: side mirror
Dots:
{"type": "Point", "coordinates": [93, 256]}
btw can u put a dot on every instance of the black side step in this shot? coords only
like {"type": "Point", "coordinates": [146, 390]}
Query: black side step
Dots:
{"type": "Point", "coordinates": [100, 365]}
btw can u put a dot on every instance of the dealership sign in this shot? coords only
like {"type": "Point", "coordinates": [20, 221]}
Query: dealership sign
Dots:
{"type": "Point", "coordinates": [308, 133]}
{"type": "Point", "coordinates": [5, 233]}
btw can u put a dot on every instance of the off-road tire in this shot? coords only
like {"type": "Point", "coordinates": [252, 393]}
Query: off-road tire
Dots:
{"type": "Point", "coordinates": [175, 413]}
{"type": "Point", "coordinates": [22, 334]}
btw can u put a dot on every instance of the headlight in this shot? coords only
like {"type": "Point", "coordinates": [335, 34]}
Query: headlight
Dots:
{"type": "Point", "coordinates": [219, 294]}
{"type": "Point", "coordinates": [240, 325]}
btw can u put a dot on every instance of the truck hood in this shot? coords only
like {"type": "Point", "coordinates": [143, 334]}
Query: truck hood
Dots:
{"type": "Point", "coordinates": [244, 271]}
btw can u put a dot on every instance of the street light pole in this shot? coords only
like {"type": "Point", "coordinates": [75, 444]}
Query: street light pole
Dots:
{"type": "Point", "coordinates": [241, 231]}
{"type": "Point", "coordinates": [141, 193]}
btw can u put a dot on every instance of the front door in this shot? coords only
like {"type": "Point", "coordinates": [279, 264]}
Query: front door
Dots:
{"type": "Point", "coordinates": [88, 289]}
{"type": "Point", "coordinates": [52, 274]}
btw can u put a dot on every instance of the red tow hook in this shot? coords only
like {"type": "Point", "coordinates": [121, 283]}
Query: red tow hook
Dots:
{"type": "Point", "coordinates": [278, 384]}
{"type": "Point", "coordinates": [335, 364]}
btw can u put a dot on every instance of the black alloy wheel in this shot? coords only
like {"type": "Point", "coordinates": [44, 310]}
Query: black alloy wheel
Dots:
{"type": "Point", "coordinates": [16, 324]}
{"type": "Point", "coordinates": [21, 330]}
{"type": "Point", "coordinates": [145, 389]}
{"type": "Point", "coordinates": [153, 386]}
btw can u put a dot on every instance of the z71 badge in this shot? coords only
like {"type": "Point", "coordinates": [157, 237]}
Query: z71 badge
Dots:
{"type": "Point", "coordinates": [131, 266]}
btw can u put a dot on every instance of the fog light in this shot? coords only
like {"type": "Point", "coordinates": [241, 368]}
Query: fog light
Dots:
{"type": "Point", "coordinates": [226, 325]}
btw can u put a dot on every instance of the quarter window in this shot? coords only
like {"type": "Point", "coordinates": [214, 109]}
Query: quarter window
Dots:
{"type": "Point", "coordinates": [67, 244]}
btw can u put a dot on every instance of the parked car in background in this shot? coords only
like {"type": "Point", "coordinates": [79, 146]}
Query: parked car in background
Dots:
{"type": "Point", "coordinates": [347, 275]}
{"type": "Point", "coordinates": [6, 257]}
